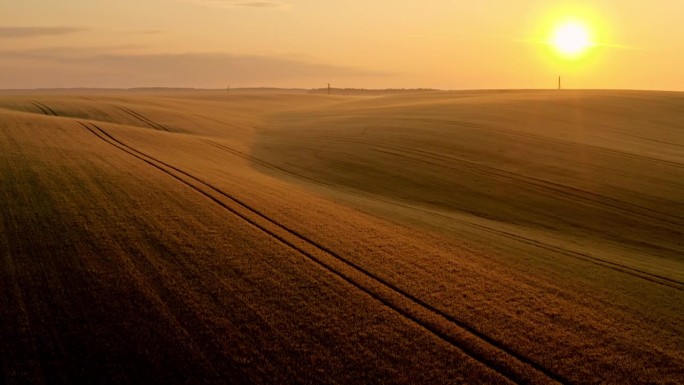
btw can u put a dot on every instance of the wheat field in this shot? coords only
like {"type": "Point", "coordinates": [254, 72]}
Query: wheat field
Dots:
{"type": "Point", "coordinates": [527, 237]}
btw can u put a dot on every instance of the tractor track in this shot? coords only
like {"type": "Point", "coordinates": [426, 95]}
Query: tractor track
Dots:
{"type": "Point", "coordinates": [143, 119]}
{"type": "Point", "coordinates": [43, 108]}
{"type": "Point", "coordinates": [442, 160]}
{"type": "Point", "coordinates": [482, 348]}
{"type": "Point", "coordinates": [546, 139]}
{"type": "Point", "coordinates": [651, 277]}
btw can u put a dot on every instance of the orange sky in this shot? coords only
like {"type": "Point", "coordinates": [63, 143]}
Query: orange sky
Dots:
{"type": "Point", "coordinates": [446, 44]}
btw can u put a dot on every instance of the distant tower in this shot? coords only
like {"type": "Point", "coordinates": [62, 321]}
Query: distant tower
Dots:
{"type": "Point", "coordinates": [228, 90]}
{"type": "Point", "coordinates": [328, 88]}
{"type": "Point", "coordinates": [559, 82]}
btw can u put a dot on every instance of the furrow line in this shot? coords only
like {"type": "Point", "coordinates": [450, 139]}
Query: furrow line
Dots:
{"type": "Point", "coordinates": [570, 192]}
{"type": "Point", "coordinates": [50, 110]}
{"type": "Point", "coordinates": [553, 186]}
{"type": "Point", "coordinates": [558, 141]}
{"type": "Point", "coordinates": [534, 181]}
{"type": "Point", "coordinates": [143, 119]}
{"type": "Point", "coordinates": [45, 112]}
{"type": "Point", "coordinates": [38, 106]}
{"type": "Point", "coordinates": [264, 163]}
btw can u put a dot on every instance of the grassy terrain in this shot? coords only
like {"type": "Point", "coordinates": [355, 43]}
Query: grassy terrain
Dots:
{"type": "Point", "coordinates": [436, 237]}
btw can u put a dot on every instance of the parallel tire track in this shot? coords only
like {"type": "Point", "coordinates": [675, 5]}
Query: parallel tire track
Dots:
{"type": "Point", "coordinates": [435, 159]}
{"type": "Point", "coordinates": [563, 142]}
{"type": "Point", "coordinates": [651, 277]}
{"type": "Point", "coordinates": [143, 119]}
{"type": "Point", "coordinates": [572, 192]}
{"type": "Point", "coordinates": [43, 108]}
{"type": "Point", "coordinates": [264, 163]}
{"type": "Point", "coordinates": [493, 354]}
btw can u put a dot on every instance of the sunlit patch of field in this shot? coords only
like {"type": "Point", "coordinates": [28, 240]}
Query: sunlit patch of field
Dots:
{"type": "Point", "coordinates": [440, 237]}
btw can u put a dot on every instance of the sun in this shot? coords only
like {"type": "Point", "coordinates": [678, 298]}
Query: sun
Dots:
{"type": "Point", "coordinates": [571, 40]}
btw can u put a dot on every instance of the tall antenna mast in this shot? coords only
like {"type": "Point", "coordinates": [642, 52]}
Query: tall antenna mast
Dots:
{"type": "Point", "coordinates": [328, 88]}
{"type": "Point", "coordinates": [559, 82]}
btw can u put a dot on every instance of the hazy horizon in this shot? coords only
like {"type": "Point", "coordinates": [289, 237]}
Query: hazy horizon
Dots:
{"type": "Point", "coordinates": [212, 44]}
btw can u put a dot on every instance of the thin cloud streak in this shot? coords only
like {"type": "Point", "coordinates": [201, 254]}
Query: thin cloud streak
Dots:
{"type": "Point", "coordinates": [80, 68]}
{"type": "Point", "coordinates": [63, 52]}
{"type": "Point", "coordinates": [147, 32]}
{"type": "Point", "coordinates": [30, 32]}
{"type": "Point", "coordinates": [238, 4]}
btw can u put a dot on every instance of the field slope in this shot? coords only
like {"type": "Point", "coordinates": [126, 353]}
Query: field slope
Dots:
{"type": "Point", "coordinates": [525, 237]}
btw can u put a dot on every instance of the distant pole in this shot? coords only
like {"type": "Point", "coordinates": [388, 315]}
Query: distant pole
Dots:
{"type": "Point", "coordinates": [328, 88]}
{"type": "Point", "coordinates": [559, 82]}
{"type": "Point", "coordinates": [228, 90]}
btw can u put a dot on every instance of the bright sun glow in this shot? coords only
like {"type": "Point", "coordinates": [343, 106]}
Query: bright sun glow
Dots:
{"type": "Point", "coordinates": [571, 39]}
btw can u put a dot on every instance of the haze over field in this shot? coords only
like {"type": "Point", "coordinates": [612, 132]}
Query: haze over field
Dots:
{"type": "Point", "coordinates": [444, 44]}
{"type": "Point", "coordinates": [184, 198]}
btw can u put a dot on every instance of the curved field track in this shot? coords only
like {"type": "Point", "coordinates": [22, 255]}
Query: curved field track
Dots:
{"type": "Point", "coordinates": [519, 237]}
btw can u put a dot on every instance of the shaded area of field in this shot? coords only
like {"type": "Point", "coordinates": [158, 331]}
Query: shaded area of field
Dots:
{"type": "Point", "coordinates": [470, 237]}
{"type": "Point", "coordinates": [566, 168]}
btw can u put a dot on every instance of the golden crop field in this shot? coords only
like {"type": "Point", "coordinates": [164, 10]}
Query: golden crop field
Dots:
{"type": "Point", "coordinates": [526, 237]}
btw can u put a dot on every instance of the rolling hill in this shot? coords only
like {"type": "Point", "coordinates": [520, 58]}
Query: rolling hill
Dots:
{"type": "Point", "coordinates": [427, 237]}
